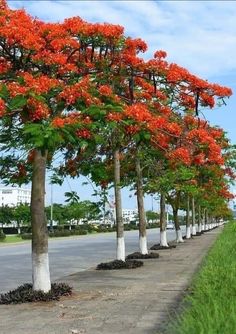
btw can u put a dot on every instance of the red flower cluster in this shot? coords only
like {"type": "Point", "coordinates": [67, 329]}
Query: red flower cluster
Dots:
{"type": "Point", "coordinates": [105, 90]}
{"type": "Point", "coordinates": [181, 154]}
{"type": "Point", "coordinates": [139, 112]}
{"type": "Point", "coordinates": [2, 107]}
{"type": "Point", "coordinates": [78, 91]}
{"type": "Point", "coordinates": [37, 109]}
{"type": "Point", "coordinates": [160, 54]}
{"type": "Point", "coordinates": [83, 133]}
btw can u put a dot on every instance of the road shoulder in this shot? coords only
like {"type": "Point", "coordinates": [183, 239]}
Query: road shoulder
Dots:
{"type": "Point", "coordinates": [138, 301]}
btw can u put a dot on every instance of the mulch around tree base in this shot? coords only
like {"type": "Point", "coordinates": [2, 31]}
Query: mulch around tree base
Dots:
{"type": "Point", "coordinates": [184, 237]}
{"type": "Point", "coordinates": [158, 247]}
{"type": "Point", "coordinates": [119, 264]}
{"type": "Point", "coordinates": [26, 294]}
{"type": "Point", "coordinates": [138, 255]}
{"type": "Point", "coordinates": [198, 234]}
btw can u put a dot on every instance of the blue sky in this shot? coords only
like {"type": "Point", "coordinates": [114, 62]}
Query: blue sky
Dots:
{"type": "Point", "coordinates": [198, 35]}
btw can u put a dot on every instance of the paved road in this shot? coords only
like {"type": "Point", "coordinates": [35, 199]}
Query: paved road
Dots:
{"type": "Point", "coordinates": [139, 301]}
{"type": "Point", "coordinates": [67, 255]}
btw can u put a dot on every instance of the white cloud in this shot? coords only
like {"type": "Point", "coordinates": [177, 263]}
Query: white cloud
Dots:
{"type": "Point", "coordinates": [200, 35]}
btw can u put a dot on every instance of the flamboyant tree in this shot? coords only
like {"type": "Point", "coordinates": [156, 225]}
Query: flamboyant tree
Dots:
{"type": "Point", "coordinates": [81, 89]}
{"type": "Point", "coordinates": [47, 83]}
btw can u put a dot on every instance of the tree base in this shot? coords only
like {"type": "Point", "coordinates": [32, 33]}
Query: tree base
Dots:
{"type": "Point", "coordinates": [184, 237]}
{"type": "Point", "coordinates": [119, 264]}
{"type": "Point", "coordinates": [138, 255]}
{"type": "Point", "coordinates": [159, 247]}
{"type": "Point", "coordinates": [198, 234]}
{"type": "Point", "coordinates": [26, 294]}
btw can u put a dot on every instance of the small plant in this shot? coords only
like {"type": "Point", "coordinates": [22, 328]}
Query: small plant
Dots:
{"type": "Point", "coordinates": [138, 255]}
{"type": "Point", "coordinates": [119, 264]}
{"type": "Point", "coordinates": [2, 235]}
{"type": "Point", "coordinates": [26, 294]}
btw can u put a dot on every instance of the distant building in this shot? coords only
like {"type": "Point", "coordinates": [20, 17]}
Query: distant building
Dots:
{"type": "Point", "coordinates": [129, 215]}
{"type": "Point", "coordinates": [13, 196]}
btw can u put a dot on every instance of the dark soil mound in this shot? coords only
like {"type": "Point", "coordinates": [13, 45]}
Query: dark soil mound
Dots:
{"type": "Point", "coordinates": [138, 255]}
{"type": "Point", "coordinates": [119, 264]}
{"type": "Point", "coordinates": [158, 247]}
{"type": "Point", "coordinates": [199, 233]}
{"type": "Point", "coordinates": [26, 294]}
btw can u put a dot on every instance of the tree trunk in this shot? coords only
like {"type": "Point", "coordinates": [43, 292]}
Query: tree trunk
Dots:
{"type": "Point", "coordinates": [199, 219]}
{"type": "Point", "coordinates": [188, 228]}
{"type": "Point", "coordinates": [18, 227]}
{"type": "Point", "coordinates": [179, 237]}
{"type": "Point", "coordinates": [194, 232]}
{"type": "Point", "coordinates": [205, 220]}
{"type": "Point", "coordinates": [40, 261]}
{"type": "Point", "coordinates": [163, 236]}
{"type": "Point", "coordinates": [141, 211]}
{"type": "Point", "coordinates": [120, 250]}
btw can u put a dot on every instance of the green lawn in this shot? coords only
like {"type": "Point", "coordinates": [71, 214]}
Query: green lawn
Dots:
{"type": "Point", "coordinates": [211, 307]}
{"type": "Point", "coordinates": [11, 239]}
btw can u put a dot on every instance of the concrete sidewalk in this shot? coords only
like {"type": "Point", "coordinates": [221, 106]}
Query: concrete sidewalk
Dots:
{"type": "Point", "coordinates": [137, 301]}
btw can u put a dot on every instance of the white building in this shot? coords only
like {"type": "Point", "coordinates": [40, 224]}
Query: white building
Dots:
{"type": "Point", "coordinates": [13, 196]}
{"type": "Point", "coordinates": [129, 215]}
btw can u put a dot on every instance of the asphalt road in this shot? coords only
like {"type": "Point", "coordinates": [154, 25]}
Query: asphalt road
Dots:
{"type": "Point", "coordinates": [67, 255]}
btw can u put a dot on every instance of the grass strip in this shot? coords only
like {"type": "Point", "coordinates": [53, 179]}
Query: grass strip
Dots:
{"type": "Point", "coordinates": [11, 239]}
{"type": "Point", "coordinates": [210, 308]}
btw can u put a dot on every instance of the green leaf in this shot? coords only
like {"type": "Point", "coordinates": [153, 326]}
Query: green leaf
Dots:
{"type": "Point", "coordinates": [4, 92]}
{"type": "Point", "coordinates": [17, 102]}
{"type": "Point", "coordinates": [146, 135]}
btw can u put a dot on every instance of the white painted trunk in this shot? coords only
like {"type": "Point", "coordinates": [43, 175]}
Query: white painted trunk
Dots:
{"type": "Point", "coordinates": [163, 239]}
{"type": "Point", "coordinates": [41, 275]}
{"type": "Point", "coordinates": [188, 232]}
{"type": "Point", "coordinates": [194, 230]}
{"type": "Point", "coordinates": [200, 228]}
{"type": "Point", "coordinates": [120, 251]}
{"type": "Point", "coordinates": [143, 245]}
{"type": "Point", "coordinates": [179, 237]}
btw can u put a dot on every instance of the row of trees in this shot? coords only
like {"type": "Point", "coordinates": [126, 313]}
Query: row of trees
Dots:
{"type": "Point", "coordinates": [76, 98]}
{"type": "Point", "coordinates": [62, 214]}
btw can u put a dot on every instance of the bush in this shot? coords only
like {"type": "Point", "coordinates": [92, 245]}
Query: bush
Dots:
{"type": "Point", "coordinates": [102, 229]}
{"type": "Point", "coordinates": [152, 225]}
{"type": "Point", "coordinates": [2, 235]}
{"type": "Point", "coordinates": [26, 294]}
{"type": "Point", "coordinates": [130, 226]}
{"type": "Point", "coordinates": [59, 233]}
{"type": "Point", "coordinates": [26, 236]}
{"type": "Point", "coordinates": [127, 227]}
{"type": "Point", "coordinates": [79, 232]}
